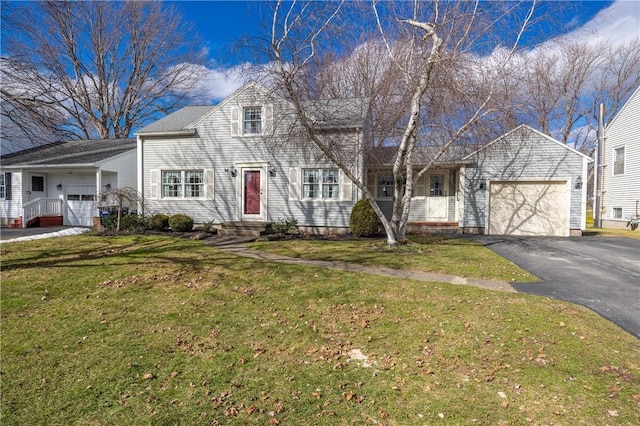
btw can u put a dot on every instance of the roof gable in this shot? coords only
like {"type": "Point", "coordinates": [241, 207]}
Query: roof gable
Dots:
{"type": "Point", "coordinates": [529, 129]}
{"type": "Point", "coordinates": [634, 97]}
{"type": "Point", "coordinates": [88, 151]}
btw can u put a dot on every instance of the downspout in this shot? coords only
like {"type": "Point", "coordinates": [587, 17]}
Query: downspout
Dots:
{"type": "Point", "coordinates": [140, 174]}
{"type": "Point", "coordinates": [597, 219]}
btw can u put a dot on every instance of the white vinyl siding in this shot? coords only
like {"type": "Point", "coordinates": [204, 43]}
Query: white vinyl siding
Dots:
{"type": "Point", "coordinates": [621, 185]}
{"type": "Point", "coordinates": [519, 156]}
{"type": "Point", "coordinates": [219, 144]}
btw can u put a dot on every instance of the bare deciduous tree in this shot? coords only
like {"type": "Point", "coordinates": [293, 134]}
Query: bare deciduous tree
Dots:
{"type": "Point", "coordinates": [558, 86]}
{"type": "Point", "coordinates": [441, 84]}
{"type": "Point", "coordinates": [93, 69]}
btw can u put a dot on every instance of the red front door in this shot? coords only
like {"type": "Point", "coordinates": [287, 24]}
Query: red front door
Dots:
{"type": "Point", "coordinates": [251, 192]}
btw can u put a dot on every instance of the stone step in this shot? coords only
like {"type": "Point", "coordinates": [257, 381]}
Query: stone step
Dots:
{"type": "Point", "coordinates": [244, 229]}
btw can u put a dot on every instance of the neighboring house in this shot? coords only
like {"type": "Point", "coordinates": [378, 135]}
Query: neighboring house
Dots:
{"type": "Point", "coordinates": [244, 161]}
{"type": "Point", "coordinates": [59, 183]}
{"type": "Point", "coordinates": [621, 171]}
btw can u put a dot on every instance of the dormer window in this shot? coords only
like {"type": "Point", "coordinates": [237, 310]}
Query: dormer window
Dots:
{"type": "Point", "coordinates": [252, 120]}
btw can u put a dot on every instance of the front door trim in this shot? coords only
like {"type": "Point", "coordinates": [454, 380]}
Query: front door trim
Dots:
{"type": "Point", "coordinates": [240, 191]}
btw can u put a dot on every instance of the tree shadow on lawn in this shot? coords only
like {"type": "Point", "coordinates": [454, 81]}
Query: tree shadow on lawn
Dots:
{"type": "Point", "coordinates": [137, 252]}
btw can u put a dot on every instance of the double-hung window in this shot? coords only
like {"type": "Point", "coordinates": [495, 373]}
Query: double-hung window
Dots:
{"type": "Point", "coordinates": [3, 188]}
{"type": "Point", "coordinates": [252, 120]}
{"type": "Point", "coordinates": [618, 161]}
{"type": "Point", "coordinates": [321, 184]}
{"type": "Point", "coordinates": [182, 183]}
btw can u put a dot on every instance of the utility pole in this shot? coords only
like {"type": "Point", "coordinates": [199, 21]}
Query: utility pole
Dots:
{"type": "Point", "coordinates": [597, 206]}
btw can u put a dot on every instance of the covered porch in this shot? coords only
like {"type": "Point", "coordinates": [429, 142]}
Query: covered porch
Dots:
{"type": "Point", "coordinates": [436, 205]}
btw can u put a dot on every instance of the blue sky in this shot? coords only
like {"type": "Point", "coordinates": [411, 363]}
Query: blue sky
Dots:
{"type": "Point", "coordinates": [224, 23]}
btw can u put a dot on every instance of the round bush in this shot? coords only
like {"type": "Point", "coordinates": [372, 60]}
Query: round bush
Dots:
{"type": "Point", "coordinates": [158, 222]}
{"type": "Point", "coordinates": [180, 223]}
{"type": "Point", "coordinates": [363, 221]}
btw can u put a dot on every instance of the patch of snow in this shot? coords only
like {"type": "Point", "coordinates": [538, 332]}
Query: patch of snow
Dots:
{"type": "Point", "coordinates": [62, 233]}
{"type": "Point", "coordinates": [357, 355]}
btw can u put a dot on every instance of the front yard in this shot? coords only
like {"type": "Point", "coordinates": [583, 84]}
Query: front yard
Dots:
{"type": "Point", "coordinates": [156, 330]}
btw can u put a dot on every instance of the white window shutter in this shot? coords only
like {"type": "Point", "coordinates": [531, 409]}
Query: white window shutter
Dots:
{"type": "Point", "coordinates": [235, 121]}
{"type": "Point", "coordinates": [153, 184]}
{"type": "Point", "coordinates": [347, 187]}
{"type": "Point", "coordinates": [293, 183]}
{"type": "Point", "coordinates": [267, 120]}
{"type": "Point", "coordinates": [208, 184]}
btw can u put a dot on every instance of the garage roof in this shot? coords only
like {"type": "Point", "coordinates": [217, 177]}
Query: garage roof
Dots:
{"type": "Point", "coordinates": [88, 151]}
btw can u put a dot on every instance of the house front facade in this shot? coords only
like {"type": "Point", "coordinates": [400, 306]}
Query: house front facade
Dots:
{"type": "Point", "coordinates": [244, 160]}
{"type": "Point", "coordinates": [240, 161]}
{"type": "Point", "coordinates": [59, 183]}
{"type": "Point", "coordinates": [621, 166]}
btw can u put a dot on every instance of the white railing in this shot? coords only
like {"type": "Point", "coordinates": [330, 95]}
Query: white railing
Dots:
{"type": "Point", "coordinates": [41, 207]}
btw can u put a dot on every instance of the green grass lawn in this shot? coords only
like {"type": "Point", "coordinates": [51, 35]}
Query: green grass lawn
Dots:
{"type": "Point", "coordinates": [155, 330]}
{"type": "Point", "coordinates": [430, 253]}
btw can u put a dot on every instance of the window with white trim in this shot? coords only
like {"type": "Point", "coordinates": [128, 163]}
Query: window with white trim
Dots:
{"type": "Point", "coordinates": [618, 161]}
{"type": "Point", "coordinates": [380, 184]}
{"type": "Point", "coordinates": [252, 120]}
{"type": "Point", "coordinates": [321, 184]}
{"type": "Point", "coordinates": [3, 188]}
{"type": "Point", "coordinates": [182, 183]}
{"type": "Point", "coordinates": [617, 212]}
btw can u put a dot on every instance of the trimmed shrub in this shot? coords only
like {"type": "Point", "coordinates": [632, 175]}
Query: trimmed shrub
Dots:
{"type": "Point", "coordinates": [158, 222]}
{"type": "Point", "coordinates": [128, 223]}
{"type": "Point", "coordinates": [363, 221]}
{"type": "Point", "coordinates": [180, 223]}
{"type": "Point", "coordinates": [285, 226]}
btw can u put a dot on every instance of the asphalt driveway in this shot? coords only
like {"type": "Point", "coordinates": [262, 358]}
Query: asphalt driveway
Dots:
{"type": "Point", "coordinates": [600, 273]}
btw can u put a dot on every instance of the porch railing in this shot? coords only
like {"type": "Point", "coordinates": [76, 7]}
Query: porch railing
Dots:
{"type": "Point", "coordinates": [41, 207]}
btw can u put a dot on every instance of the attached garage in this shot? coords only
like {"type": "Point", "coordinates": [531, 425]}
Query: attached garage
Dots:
{"type": "Point", "coordinates": [525, 183]}
{"type": "Point", "coordinates": [529, 208]}
{"type": "Point", "coordinates": [80, 205]}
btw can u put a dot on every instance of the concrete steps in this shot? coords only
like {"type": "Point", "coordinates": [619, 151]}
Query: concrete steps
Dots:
{"type": "Point", "coordinates": [244, 229]}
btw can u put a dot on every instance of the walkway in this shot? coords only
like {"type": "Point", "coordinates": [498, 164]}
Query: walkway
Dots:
{"type": "Point", "coordinates": [238, 247]}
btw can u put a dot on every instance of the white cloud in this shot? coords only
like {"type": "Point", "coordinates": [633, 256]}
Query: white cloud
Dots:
{"type": "Point", "coordinates": [218, 83]}
{"type": "Point", "coordinates": [616, 24]}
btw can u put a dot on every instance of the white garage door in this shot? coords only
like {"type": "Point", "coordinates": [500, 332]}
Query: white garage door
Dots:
{"type": "Point", "coordinates": [529, 208]}
{"type": "Point", "coordinates": [81, 205]}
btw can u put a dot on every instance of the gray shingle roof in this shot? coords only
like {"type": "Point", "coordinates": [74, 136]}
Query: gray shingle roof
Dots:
{"type": "Point", "coordinates": [176, 121]}
{"type": "Point", "coordinates": [338, 112]}
{"type": "Point", "coordinates": [385, 156]}
{"type": "Point", "coordinates": [69, 152]}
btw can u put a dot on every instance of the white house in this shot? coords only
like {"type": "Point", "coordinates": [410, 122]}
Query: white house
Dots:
{"type": "Point", "coordinates": [59, 183]}
{"type": "Point", "coordinates": [621, 166]}
{"type": "Point", "coordinates": [243, 160]}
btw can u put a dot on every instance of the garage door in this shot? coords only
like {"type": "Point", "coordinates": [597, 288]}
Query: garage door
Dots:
{"type": "Point", "coordinates": [80, 205]}
{"type": "Point", "coordinates": [529, 208]}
